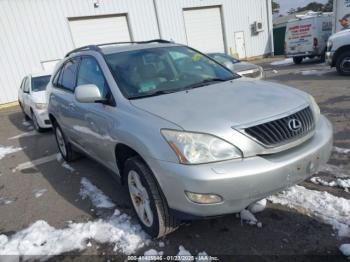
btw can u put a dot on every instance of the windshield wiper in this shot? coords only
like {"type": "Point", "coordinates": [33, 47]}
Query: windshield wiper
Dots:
{"type": "Point", "coordinates": [206, 82]}
{"type": "Point", "coordinates": [155, 93]}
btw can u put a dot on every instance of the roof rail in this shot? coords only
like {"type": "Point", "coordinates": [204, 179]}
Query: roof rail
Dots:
{"type": "Point", "coordinates": [162, 41]}
{"type": "Point", "coordinates": [96, 47]}
{"type": "Point", "coordinates": [88, 47]}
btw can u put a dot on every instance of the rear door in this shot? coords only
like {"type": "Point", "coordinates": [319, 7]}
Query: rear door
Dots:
{"type": "Point", "coordinates": [62, 98]}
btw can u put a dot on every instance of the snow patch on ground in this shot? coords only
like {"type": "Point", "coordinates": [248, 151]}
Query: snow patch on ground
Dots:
{"type": "Point", "coordinates": [7, 200]}
{"type": "Point", "coordinates": [26, 123]}
{"type": "Point", "coordinates": [97, 197]}
{"type": "Point", "coordinates": [342, 183]}
{"type": "Point", "coordinates": [31, 133]}
{"type": "Point", "coordinates": [345, 249]}
{"type": "Point", "coordinates": [6, 150]}
{"type": "Point", "coordinates": [39, 192]}
{"type": "Point", "coordinates": [334, 170]}
{"type": "Point", "coordinates": [314, 72]}
{"type": "Point", "coordinates": [340, 150]}
{"type": "Point", "coordinates": [41, 239]}
{"type": "Point", "coordinates": [249, 218]}
{"type": "Point", "coordinates": [64, 163]}
{"type": "Point", "coordinates": [330, 209]}
{"type": "Point", "coordinates": [287, 61]}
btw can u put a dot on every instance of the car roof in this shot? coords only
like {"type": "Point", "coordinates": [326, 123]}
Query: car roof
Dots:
{"type": "Point", "coordinates": [37, 74]}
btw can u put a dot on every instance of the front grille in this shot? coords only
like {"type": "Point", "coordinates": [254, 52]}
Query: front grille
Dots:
{"type": "Point", "coordinates": [47, 122]}
{"type": "Point", "coordinates": [254, 74]}
{"type": "Point", "coordinates": [283, 130]}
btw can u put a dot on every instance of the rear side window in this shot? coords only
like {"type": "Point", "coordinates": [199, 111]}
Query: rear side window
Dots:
{"type": "Point", "coordinates": [67, 76]}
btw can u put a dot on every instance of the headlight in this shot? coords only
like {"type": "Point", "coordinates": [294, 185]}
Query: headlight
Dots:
{"type": "Point", "coordinates": [329, 45]}
{"type": "Point", "coordinates": [40, 105]}
{"type": "Point", "coordinates": [196, 148]}
{"type": "Point", "coordinates": [315, 108]}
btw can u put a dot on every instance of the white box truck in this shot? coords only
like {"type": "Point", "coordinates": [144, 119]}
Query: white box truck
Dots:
{"type": "Point", "coordinates": [307, 35]}
{"type": "Point", "coordinates": [338, 45]}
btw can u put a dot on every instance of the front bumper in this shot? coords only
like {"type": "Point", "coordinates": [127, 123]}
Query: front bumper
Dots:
{"type": "Point", "coordinates": [43, 118]}
{"type": "Point", "coordinates": [242, 182]}
{"type": "Point", "coordinates": [329, 58]}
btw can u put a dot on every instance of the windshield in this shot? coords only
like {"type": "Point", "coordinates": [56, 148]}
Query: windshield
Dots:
{"type": "Point", "coordinates": [39, 83]}
{"type": "Point", "coordinates": [157, 71]}
{"type": "Point", "coordinates": [223, 59]}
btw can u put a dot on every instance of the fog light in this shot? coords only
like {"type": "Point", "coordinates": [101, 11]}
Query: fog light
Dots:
{"type": "Point", "coordinates": [203, 198]}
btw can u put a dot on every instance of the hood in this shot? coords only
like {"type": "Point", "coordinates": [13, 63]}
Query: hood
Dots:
{"type": "Point", "coordinates": [38, 97]}
{"type": "Point", "coordinates": [243, 66]}
{"type": "Point", "coordinates": [340, 34]}
{"type": "Point", "coordinates": [229, 104]}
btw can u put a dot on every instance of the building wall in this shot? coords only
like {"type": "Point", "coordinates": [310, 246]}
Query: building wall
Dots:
{"type": "Point", "coordinates": [35, 31]}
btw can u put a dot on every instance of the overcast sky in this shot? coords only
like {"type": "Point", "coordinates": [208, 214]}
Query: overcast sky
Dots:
{"type": "Point", "coordinates": [288, 4]}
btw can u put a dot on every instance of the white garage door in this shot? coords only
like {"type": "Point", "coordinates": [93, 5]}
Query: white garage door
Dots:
{"type": "Point", "coordinates": [204, 29]}
{"type": "Point", "coordinates": [87, 31]}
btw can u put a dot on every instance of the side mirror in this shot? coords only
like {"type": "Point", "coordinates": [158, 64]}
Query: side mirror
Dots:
{"type": "Point", "coordinates": [229, 66]}
{"type": "Point", "coordinates": [88, 94]}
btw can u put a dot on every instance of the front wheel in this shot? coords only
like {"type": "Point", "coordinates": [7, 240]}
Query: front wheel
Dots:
{"type": "Point", "coordinates": [36, 124]}
{"type": "Point", "coordinates": [147, 200]}
{"type": "Point", "coordinates": [343, 64]}
{"type": "Point", "coordinates": [297, 60]}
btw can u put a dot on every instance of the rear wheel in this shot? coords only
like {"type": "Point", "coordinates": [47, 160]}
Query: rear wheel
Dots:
{"type": "Point", "coordinates": [65, 148]}
{"type": "Point", "coordinates": [147, 199]}
{"type": "Point", "coordinates": [24, 114]}
{"type": "Point", "coordinates": [297, 60]}
{"type": "Point", "coordinates": [343, 64]}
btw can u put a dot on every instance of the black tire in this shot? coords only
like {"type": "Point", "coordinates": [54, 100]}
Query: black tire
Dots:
{"type": "Point", "coordinates": [36, 124]}
{"type": "Point", "coordinates": [343, 60]}
{"type": "Point", "coordinates": [163, 222]}
{"type": "Point", "coordinates": [297, 60]}
{"type": "Point", "coordinates": [70, 154]}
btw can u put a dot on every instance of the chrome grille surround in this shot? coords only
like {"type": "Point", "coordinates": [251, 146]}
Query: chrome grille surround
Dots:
{"type": "Point", "coordinates": [277, 132]}
{"type": "Point", "coordinates": [255, 73]}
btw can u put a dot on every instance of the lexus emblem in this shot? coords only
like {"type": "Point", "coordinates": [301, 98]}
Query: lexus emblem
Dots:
{"type": "Point", "coordinates": [294, 125]}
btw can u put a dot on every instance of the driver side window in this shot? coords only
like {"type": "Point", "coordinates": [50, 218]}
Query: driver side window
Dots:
{"type": "Point", "coordinates": [91, 73]}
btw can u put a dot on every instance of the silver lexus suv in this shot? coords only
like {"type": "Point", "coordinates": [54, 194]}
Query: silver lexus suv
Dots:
{"type": "Point", "coordinates": [188, 137]}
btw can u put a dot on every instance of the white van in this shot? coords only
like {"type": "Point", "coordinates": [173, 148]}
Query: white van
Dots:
{"type": "Point", "coordinates": [307, 35]}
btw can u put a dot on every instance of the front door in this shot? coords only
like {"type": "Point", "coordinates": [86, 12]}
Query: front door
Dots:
{"type": "Point", "coordinates": [240, 44]}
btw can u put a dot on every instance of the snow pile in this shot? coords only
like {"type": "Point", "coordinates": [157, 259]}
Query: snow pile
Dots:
{"type": "Point", "coordinates": [97, 197]}
{"type": "Point", "coordinates": [330, 209]}
{"type": "Point", "coordinates": [287, 61]}
{"type": "Point", "coordinates": [5, 150]}
{"type": "Point", "coordinates": [342, 183]}
{"type": "Point", "coordinates": [39, 192]}
{"type": "Point", "coordinates": [31, 133]}
{"type": "Point", "coordinates": [345, 249]}
{"type": "Point", "coordinates": [184, 253]}
{"type": "Point", "coordinates": [151, 255]}
{"type": "Point", "coordinates": [41, 239]}
{"type": "Point", "coordinates": [340, 150]}
{"type": "Point", "coordinates": [258, 206]}
{"type": "Point", "coordinates": [249, 218]}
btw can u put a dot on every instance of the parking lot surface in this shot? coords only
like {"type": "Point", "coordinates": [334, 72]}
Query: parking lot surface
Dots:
{"type": "Point", "coordinates": [36, 185]}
